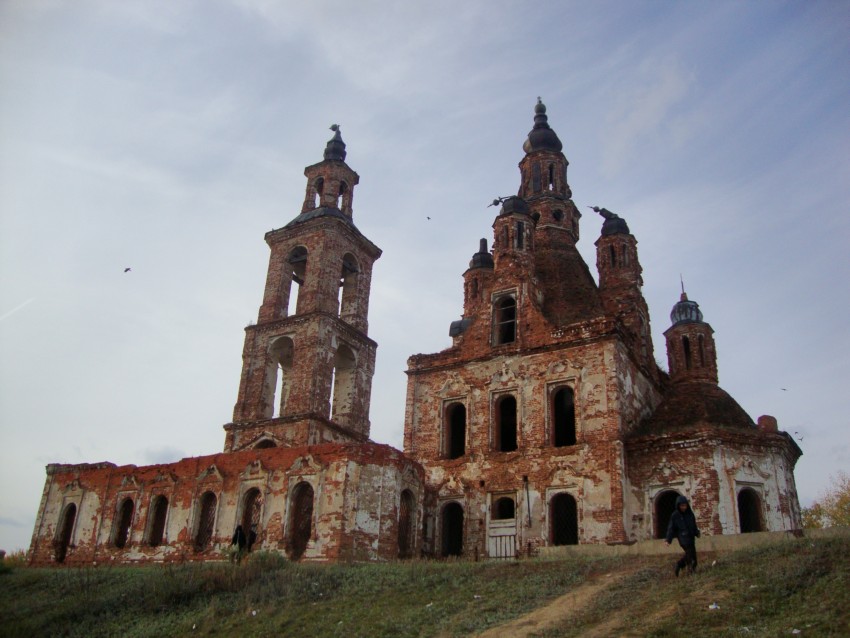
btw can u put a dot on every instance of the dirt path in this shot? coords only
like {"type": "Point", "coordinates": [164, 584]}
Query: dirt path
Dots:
{"type": "Point", "coordinates": [558, 611]}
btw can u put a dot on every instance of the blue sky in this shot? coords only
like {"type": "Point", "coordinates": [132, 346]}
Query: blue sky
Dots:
{"type": "Point", "coordinates": [170, 136]}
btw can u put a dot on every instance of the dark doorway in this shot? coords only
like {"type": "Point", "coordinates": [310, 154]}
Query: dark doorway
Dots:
{"type": "Point", "coordinates": [159, 511]}
{"type": "Point", "coordinates": [452, 530]}
{"type": "Point", "coordinates": [66, 528]}
{"type": "Point", "coordinates": [206, 521]}
{"type": "Point", "coordinates": [749, 511]}
{"type": "Point", "coordinates": [563, 513]}
{"type": "Point", "coordinates": [300, 520]}
{"type": "Point", "coordinates": [665, 505]}
{"type": "Point", "coordinates": [456, 436]}
{"type": "Point", "coordinates": [251, 507]}
{"type": "Point", "coordinates": [564, 418]}
{"type": "Point", "coordinates": [405, 525]}
{"type": "Point", "coordinates": [506, 440]}
{"type": "Point", "coordinates": [123, 523]}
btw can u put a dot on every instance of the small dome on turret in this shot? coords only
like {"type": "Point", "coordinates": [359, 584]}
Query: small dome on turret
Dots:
{"type": "Point", "coordinates": [483, 258]}
{"type": "Point", "coordinates": [541, 137]}
{"type": "Point", "coordinates": [613, 224]}
{"type": "Point", "coordinates": [335, 149]}
{"type": "Point", "coordinates": [686, 311]}
{"type": "Point", "coordinates": [514, 205]}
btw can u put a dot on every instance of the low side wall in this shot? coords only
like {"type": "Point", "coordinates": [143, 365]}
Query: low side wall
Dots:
{"type": "Point", "coordinates": [724, 543]}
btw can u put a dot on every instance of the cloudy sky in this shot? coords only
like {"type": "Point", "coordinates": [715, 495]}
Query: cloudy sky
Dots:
{"type": "Point", "coordinates": [170, 136]}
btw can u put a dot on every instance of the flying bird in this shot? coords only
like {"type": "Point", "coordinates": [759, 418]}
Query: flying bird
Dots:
{"type": "Point", "coordinates": [127, 270]}
{"type": "Point", "coordinates": [426, 217]}
{"type": "Point", "coordinates": [783, 389]}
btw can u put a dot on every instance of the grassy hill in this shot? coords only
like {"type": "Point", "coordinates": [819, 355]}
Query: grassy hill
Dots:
{"type": "Point", "coordinates": [770, 591]}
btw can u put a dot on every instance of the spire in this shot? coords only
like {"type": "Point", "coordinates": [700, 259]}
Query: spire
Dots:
{"type": "Point", "coordinates": [541, 137]}
{"type": "Point", "coordinates": [335, 149]}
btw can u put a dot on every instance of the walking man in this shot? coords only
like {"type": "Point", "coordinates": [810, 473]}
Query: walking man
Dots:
{"type": "Point", "coordinates": [683, 525]}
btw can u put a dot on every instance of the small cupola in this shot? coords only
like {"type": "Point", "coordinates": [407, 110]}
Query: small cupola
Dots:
{"type": "Point", "coordinates": [685, 311]}
{"type": "Point", "coordinates": [331, 182]}
{"type": "Point", "coordinates": [335, 149]}
{"type": "Point", "coordinates": [483, 258]}
{"type": "Point", "coordinates": [542, 137]}
{"type": "Point", "coordinates": [691, 352]}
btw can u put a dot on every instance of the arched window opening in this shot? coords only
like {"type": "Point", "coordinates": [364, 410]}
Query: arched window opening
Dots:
{"type": "Point", "coordinates": [265, 444]}
{"type": "Point", "coordinates": [665, 505]}
{"type": "Point", "coordinates": [300, 520]}
{"type": "Point", "coordinates": [456, 430]}
{"type": "Point", "coordinates": [506, 426]}
{"type": "Point", "coordinates": [406, 513]}
{"type": "Point", "coordinates": [206, 521]}
{"type": "Point", "coordinates": [64, 532]}
{"type": "Point", "coordinates": [520, 236]}
{"type": "Point", "coordinates": [279, 376]}
{"type": "Point", "coordinates": [563, 418]}
{"type": "Point", "coordinates": [701, 347]}
{"type": "Point", "coordinates": [613, 254]}
{"type": "Point", "coordinates": [343, 189]}
{"type": "Point", "coordinates": [342, 383]}
{"type": "Point", "coordinates": [558, 215]}
{"type": "Point", "coordinates": [750, 511]}
{"type": "Point", "coordinates": [452, 530]}
{"type": "Point", "coordinates": [297, 261]}
{"type": "Point", "coordinates": [348, 286]}
{"type": "Point", "coordinates": [686, 347]}
{"type": "Point", "coordinates": [551, 185]}
{"type": "Point", "coordinates": [505, 320]}
{"type": "Point", "coordinates": [535, 178]}
{"type": "Point", "coordinates": [563, 517]}
{"type": "Point", "coordinates": [252, 505]}
{"type": "Point", "coordinates": [157, 517]}
{"type": "Point", "coordinates": [503, 509]}
{"type": "Point", "coordinates": [123, 523]}
{"type": "Point", "coordinates": [625, 253]}
{"type": "Point", "coordinates": [319, 190]}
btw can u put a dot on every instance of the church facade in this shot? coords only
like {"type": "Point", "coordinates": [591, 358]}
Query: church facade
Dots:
{"type": "Point", "coordinates": [546, 422]}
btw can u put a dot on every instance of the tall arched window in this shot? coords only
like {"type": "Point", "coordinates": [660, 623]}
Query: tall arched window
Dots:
{"type": "Point", "coordinates": [318, 190]}
{"type": "Point", "coordinates": [293, 284]}
{"type": "Point", "coordinates": [206, 521]}
{"type": "Point", "coordinates": [455, 438]}
{"type": "Point", "coordinates": [535, 178]}
{"type": "Point", "coordinates": [156, 520]}
{"type": "Point", "coordinates": [340, 200]}
{"type": "Point", "coordinates": [551, 185]}
{"type": "Point", "coordinates": [348, 286]}
{"type": "Point", "coordinates": [505, 320]}
{"type": "Point", "coordinates": [300, 519]}
{"type": "Point", "coordinates": [613, 254]}
{"type": "Point", "coordinates": [406, 514]}
{"type": "Point", "coordinates": [279, 376]}
{"type": "Point", "coordinates": [750, 511]}
{"type": "Point", "coordinates": [701, 347]}
{"type": "Point", "coordinates": [563, 520]}
{"type": "Point", "coordinates": [563, 417]}
{"type": "Point", "coordinates": [343, 383]}
{"type": "Point", "coordinates": [452, 529]}
{"type": "Point", "coordinates": [686, 348]}
{"type": "Point", "coordinates": [123, 523]}
{"type": "Point", "coordinates": [665, 505]}
{"type": "Point", "coordinates": [64, 532]}
{"type": "Point", "coordinates": [252, 506]}
{"type": "Point", "coordinates": [506, 424]}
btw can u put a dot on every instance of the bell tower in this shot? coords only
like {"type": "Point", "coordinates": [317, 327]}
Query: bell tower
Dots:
{"type": "Point", "coordinates": [308, 362]}
{"type": "Point", "coordinates": [691, 354]}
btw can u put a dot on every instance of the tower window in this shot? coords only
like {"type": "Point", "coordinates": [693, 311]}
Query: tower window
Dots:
{"type": "Point", "coordinates": [506, 424]}
{"type": "Point", "coordinates": [558, 215]}
{"type": "Point", "coordinates": [348, 286]}
{"type": "Point", "coordinates": [535, 178]}
{"type": "Point", "coordinates": [297, 264]}
{"type": "Point", "coordinates": [319, 189]}
{"type": "Point", "coordinates": [563, 418]}
{"type": "Point", "coordinates": [551, 177]}
{"type": "Point", "coordinates": [686, 347]}
{"type": "Point", "coordinates": [701, 344]}
{"type": "Point", "coordinates": [613, 256]}
{"type": "Point", "coordinates": [455, 430]}
{"type": "Point", "coordinates": [625, 256]}
{"type": "Point", "coordinates": [343, 189]}
{"type": "Point", "coordinates": [520, 235]}
{"type": "Point", "coordinates": [278, 376]}
{"type": "Point", "coordinates": [505, 321]}
{"type": "Point", "coordinates": [342, 383]}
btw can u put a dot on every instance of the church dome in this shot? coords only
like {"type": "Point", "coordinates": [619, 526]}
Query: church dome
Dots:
{"type": "Point", "coordinates": [514, 204]}
{"type": "Point", "coordinates": [542, 137]}
{"type": "Point", "coordinates": [696, 404]}
{"type": "Point", "coordinates": [335, 149]}
{"type": "Point", "coordinates": [686, 311]}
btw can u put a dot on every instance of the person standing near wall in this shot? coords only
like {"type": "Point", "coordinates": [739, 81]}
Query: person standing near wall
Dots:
{"type": "Point", "coordinates": [683, 525]}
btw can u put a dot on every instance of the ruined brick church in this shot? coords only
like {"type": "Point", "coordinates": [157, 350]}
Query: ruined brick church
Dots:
{"type": "Point", "coordinates": [546, 422]}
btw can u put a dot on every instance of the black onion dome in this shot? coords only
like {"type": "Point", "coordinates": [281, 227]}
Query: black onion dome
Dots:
{"type": "Point", "coordinates": [686, 311]}
{"type": "Point", "coordinates": [542, 137]}
{"type": "Point", "coordinates": [483, 258]}
{"type": "Point", "coordinates": [335, 149]}
{"type": "Point", "coordinates": [514, 204]}
{"type": "Point", "coordinates": [615, 226]}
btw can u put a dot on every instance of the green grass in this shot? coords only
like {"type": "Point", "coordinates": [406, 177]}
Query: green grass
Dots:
{"type": "Point", "coordinates": [801, 585]}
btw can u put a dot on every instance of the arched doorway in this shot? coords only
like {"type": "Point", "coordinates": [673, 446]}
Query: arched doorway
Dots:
{"type": "Point", "coordinates": [252, 504]}
{"type": "Point", "coordinates": [665, 505]}
{"type": "Point", "coordinates": [300, 520]}
{"type": "Point", "coordinates": [123, 523]}
{"type": "Point", "coordinates": [749, 511]}
{"type": "Point", "coordinates": [563, 516]}
{"type": "Point", "coordinates": [66, 528]}
{"type": "Point", "coordinates": [405, 524]}
{"type": "Point", "coordinates": [452, 529]}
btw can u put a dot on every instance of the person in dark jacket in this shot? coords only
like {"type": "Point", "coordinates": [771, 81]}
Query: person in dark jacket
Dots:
{"type": "Point", "coordinates": [240, 541]}
{"type": "Point", "coordinates": [683, 525]}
